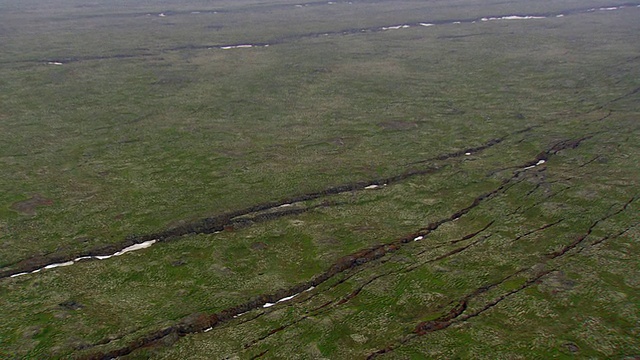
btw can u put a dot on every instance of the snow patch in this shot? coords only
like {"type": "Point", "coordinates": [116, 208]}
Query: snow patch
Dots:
{"type": "Point", "coordinates": [127, 249]}
{"type": "Point", "coordinates": [51, 266]}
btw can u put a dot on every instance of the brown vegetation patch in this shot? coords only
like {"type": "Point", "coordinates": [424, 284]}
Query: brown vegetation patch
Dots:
{"type": "Point", "coordinates": [398, 125]}
{"type": "Point", "coordinates": [28, 207]}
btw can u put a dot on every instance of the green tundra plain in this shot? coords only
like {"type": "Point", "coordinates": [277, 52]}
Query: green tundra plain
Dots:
{"type": "Point", "coordinates": [392, 179]}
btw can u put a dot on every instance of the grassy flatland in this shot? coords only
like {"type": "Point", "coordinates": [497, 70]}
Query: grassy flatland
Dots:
{"type": "Point", "coordinates": [148, 125]}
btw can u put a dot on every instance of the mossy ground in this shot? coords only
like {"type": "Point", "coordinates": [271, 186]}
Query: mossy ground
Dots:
{"type": "Point", "coordinates": [143, 127]}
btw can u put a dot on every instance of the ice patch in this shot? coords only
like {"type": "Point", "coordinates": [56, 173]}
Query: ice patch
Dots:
{"type": "Point", "coordinates": [372, 186]}
{"type": "Point", "coordinates": [54, 63]}
{"type": "Point", "coordinates": [456, 22]}
{"type": "Point", "coordinates": [467, 153]}
{"type": "Point", "coordinates": [208, 329]}
{"type": "Point", "coordinates": [608, 8]}
{"type": "Point", "coordinates": [426, 24]}
{"type": "Point", "coordinates": [268, 305]}
{"type": "Point", "coordinates": [560, 15]}
{"type": "Point", "coordinates": [162, 15]}
{"type": "Point", "coordinates": [418, 238]}
{"type": "Point", "coordinates": [18, 274]}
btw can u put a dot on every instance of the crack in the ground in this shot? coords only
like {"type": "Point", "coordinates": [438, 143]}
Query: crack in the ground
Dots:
{"type": "Point", "coordinates": [291, 38]}
{"type": "Point", "coordinates": [457, 312]}
{"type": "Point", "coordinates": [256, 213]}
{"type": "Point", "coordinates": [200, 322]}
{"type": "Point", "coordinates": [582, 237]}
{"type": "Point", "coordinates": [326, 306]}
{"type": "Point", "coordinates": [541, 228]}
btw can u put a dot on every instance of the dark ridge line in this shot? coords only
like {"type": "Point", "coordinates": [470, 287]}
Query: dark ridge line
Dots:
{"type": "Point", "coordinates": [348, 31]}
{"type": "Point", "coordinates": [590, 161]}
{"type": "Point", "coordinates": [455, 154]}
{"type": "Point", "coordinates": [198, 322]}
{"type": "Point", "coordinates": [456, 314]}
{"type": "Point", "coordinates": [355, 293]}
{"type": "Point", "coordinates": [607, 237]}
{"type": "Point", "coordinates": [220, 222]}
{"type": "Point", "coordinates": [541, 228]}
{"type": "Point", "coordinates": [503, 297]}
{"type": "Point", "coordinates": [260, 355]}
{"type": "Point", "coordinates": [601, 107]}
{"type": "Point", "coordinates": [582, 237]}
{"type": "Point", "coordinates": [443, 321]}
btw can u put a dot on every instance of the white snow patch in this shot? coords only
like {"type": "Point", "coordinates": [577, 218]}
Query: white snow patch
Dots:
{"type": "Point", "coordinates": [54, 63]}
{"type": "Point", "coordinates": [287, 298]}
{"type": "Point", "coordinates": [268, 305]}
{"type": "Point", "coordinates": [208, 329]}
{"type": "Point", "coordinates": [372, 186]}
{"type": "Point", "coordinates": [135, 247]}
{"type": "Point", "coordinates": [236, 46]}
{"type": "Point", "coordinates": [395, 27]}
{"type": "Point", "coordinates": [608, 8]}
{"type": "Point", "coordinates": [51, 266]}
{"type": "Point", "coordinates": [560, 15]}
{"type": "Point", "coordinates": [516, 17]}
{"type": "Point", "coordinates": [309, 289]}
{"type": "Point", "coordinates": [418, 238]}
{"type": "Point", "coordinates": [162, 15]}
{"type": "Point", "coordinates": [456, 22]}
{"type": "Point", "coordinates": [426, 24]}
{"type": "Point", "coordinates": [18, 274]}
{"type": "Point", "coordinates": [195, 12]}
{"type": "Point", "coordinates": [467, 153]}
{"type": "Point", "coordinates": [541, 162]}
